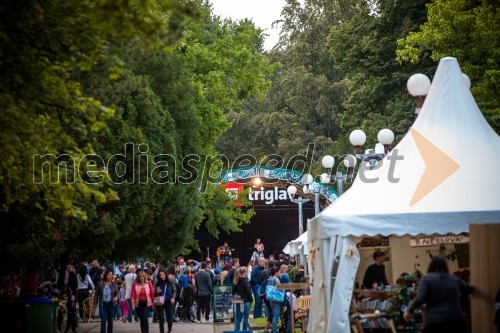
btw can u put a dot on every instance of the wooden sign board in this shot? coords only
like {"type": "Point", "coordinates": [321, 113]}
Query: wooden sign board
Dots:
{"type": "Point", "coordinates": [431, 241]}
{"type": "Point", "coordinates": [291, 286]}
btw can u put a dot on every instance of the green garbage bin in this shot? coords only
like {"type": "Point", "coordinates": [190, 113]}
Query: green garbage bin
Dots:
{"type": "Point", "coordinates": [41, 315]}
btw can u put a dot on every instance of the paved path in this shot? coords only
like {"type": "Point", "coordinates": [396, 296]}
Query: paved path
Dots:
{"type": "Point", "coordinates": [119, 327]}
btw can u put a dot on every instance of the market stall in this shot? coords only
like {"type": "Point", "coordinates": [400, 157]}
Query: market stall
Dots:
{"type": "Point", "coordinates": [297, 246]}
{"type": "Point", "coordinates": [441, 178]}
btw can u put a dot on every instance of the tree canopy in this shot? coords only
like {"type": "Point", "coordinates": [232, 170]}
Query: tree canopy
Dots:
{"type": "Point", "coordinates": [115, 96]}
{"type": "Point", "coordinates": [469, 31]}
{"type": "Point", "coordinates": [118, 115]}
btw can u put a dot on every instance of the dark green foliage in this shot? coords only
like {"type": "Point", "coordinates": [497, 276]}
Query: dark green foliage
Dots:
{"type": "Point", "coordinates": [87, 77]}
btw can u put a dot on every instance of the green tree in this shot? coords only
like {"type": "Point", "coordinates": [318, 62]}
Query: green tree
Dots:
{"type": "Point", "coordinates": [88, 77]}
{"type": "Point", "coordinates": [469, 31]}
{"type": "Point", "coordinates": [363, 49]}
{"type": "Point", "coordinates": [45, 47]}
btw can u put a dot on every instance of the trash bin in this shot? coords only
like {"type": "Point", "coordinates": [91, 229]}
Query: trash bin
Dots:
{"type": "Point", "coordinates": [10, 315]}
{"type": "Point", "coordinates": [41, 315]}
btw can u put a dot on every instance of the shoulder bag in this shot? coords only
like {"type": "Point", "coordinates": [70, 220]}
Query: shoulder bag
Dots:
{"type": "Point", "coordinates": [273, 294]}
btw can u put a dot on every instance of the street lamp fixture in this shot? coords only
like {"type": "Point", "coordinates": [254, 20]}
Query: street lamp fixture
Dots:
{"type": "Point", "coordinates": [292, 190]}
{"type": "Point", "coordinates": [418, 85]}
{"type": "Point", "coordinates": [339, 177]}
{"type": "Point", "coordinates": [310, 188]}
{"type": "Point", "coordinates": [358, 138]}
{"type": "Point", "coordinates": [467, 80]}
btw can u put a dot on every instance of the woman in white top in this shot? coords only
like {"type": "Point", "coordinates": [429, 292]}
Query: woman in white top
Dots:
{"type": "Point", "coordinates": [85, 284]}
{"type": "Point", "coordinates": [251, 263]}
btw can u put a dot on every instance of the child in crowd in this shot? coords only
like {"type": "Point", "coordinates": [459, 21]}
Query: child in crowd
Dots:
{"type": "Point", "coordinates": [117, 308]}
{"type": "Point", "coordinates": [123, 302]}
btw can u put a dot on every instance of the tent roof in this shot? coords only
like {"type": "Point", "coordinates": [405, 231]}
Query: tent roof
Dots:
{"type": "Point", "coordinates": [294, 247]}
{"type": "Point", "coordinates": [449, 176]}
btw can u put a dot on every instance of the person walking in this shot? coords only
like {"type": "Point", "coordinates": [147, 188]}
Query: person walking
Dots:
{"type": "Point", "coordinates": [172, 276]}
{"type": "Point", "coordinates": [241, 288]}
{"type": "Point", "coordinates": [274, 280]}
{"type": "Point", "coordinates": [123, 302]}
{"type": "Point", "coordinates": [440, 291]}
{"type": "Point", "coordinates": [142, 299]}
{"type": "Point", "coordinates": [187, 294]}
{"type": "Point", "coordinates": [255, 283]}
{"type": "Point", "coordinates": [85, 284]}
{"type": "Point", "coordinates": [129, 284]}
{"type": "Point", "coordinates": [203, 282]}
{"type": "Point", "coordinates": [106, 297]}
{"type": "Point", "coordinates": [165, 288]}
{"type": "Point", "coordinates": [71, 292]}
{"type": "Point", "coordinates": [94, 272]}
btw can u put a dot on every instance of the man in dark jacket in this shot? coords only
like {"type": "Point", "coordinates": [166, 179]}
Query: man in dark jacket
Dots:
{"type": "Point", "coordinates": [254, 284]}
{"type": "Point", "coordinates": [235, 263]}
{"type": "Point", "coordinates": [203, 283]}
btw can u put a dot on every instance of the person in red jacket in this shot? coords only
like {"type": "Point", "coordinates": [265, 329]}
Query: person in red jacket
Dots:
{"type": "Point", "coordinates": [142, 298]}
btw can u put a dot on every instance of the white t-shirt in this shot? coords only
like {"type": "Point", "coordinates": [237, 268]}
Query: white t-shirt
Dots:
{"type": "Point", "coordinates": [84, 284]}
{"type": "Point", "coordinates": [129, 283]}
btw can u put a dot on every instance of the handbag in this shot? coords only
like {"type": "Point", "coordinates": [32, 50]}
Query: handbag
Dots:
{"type": "Point", "coordinates": [159, 300]}
{"type": "Point", "coordinates": [273, 294]}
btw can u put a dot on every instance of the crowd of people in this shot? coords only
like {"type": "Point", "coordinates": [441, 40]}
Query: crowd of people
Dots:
{"type": "Point", "coordinates": [177, 292]}
{"type": "Point", "coordinates": [182, 292]}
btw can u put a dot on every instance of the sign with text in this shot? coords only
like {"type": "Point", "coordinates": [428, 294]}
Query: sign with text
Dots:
{"type": "Point", "coordinates": [431, 241]}
{"type": "Point", "coordinates": [291, 286]}
{"type": "Point", "coordinates": [223, 302]}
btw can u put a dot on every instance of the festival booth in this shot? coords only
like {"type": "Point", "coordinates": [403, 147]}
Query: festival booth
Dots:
{"type": "Point", "coordinates": [297, 246]}
{"type": "Point", "coordinates": [446, 181]}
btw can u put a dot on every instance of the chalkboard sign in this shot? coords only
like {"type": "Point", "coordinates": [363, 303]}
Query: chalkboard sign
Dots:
{"type": "Point", "coordinates": [223, 302]}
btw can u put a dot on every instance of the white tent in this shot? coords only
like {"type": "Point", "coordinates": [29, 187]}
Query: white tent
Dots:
{"type": "Point", "coordinates": [448, 178]}
{"type": "Point", "coordinates": [297, 246]}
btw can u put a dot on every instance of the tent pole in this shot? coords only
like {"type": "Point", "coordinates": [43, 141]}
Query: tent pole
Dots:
{"type": "Point", "coordinates": [485, 274]}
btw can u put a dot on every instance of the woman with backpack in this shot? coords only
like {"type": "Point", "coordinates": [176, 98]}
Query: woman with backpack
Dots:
{"type": "Point", "coordinates": [165, 289]}
{"type": "Point", "coordinates": [241, 288]}
{"type": "Point", "coordinates": [187, 294]}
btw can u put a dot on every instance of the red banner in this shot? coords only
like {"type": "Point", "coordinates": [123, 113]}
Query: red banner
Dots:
{"type": "Point", "coordinates": [233, 190]}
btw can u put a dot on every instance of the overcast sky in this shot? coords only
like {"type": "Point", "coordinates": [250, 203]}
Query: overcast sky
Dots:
{"type": "Point", "coordinates": [262, 12]}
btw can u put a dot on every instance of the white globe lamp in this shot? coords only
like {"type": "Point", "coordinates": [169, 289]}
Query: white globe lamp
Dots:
{"type": "Point", "coordinates": [291, 190]}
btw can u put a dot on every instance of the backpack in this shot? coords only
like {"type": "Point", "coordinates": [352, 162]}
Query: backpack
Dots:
{"type": "Point", "coordinates": [217, 280]}
{"type": "Point", "coordinates": [177, 291]}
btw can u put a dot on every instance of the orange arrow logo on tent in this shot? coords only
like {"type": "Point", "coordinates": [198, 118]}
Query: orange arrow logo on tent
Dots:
{"type": "Point", "coordinates": [438, 166]}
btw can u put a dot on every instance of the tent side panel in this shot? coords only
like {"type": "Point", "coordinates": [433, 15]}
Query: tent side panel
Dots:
{"type": "Point", "coordinates": [485, 275]}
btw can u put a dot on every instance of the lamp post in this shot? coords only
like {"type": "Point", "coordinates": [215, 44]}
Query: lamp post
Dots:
{"type": "Point", "coordinates": [418, 85]}
{"type": "Point", "coordinates": [292, 190]}
{"type": "Point", "coordinates": [340, 177]}
{"type": "Point", "coordinates": [371, 156]}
